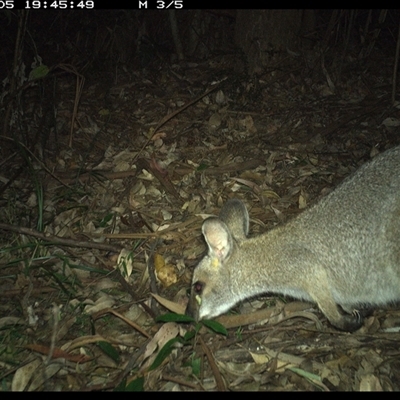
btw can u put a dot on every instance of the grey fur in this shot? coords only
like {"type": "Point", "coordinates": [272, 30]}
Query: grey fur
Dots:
{"type": "Point", "coordinates": [344, 250]}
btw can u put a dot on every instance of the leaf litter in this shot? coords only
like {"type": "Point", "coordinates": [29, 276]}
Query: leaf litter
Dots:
{"type": "Point", "coordinates": [122, 234]}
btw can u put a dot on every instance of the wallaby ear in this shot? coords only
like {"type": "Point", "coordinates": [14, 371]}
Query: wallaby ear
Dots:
{"type": "Point", "coordinates": [236, 217]}
{"type": "Point", "coordinates": [218, 238]}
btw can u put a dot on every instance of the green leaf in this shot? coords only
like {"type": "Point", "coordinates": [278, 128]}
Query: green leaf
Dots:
{"type": "Point", "coordinates": [39, 72]}
{"type": "Point", "coordinates": [121, 386]}
{"type": "Point", "coordinates": [312, 377]}
{"type": "Point", "coordinates": [172, 317]}
{"type": "Point", "coordinates": [90, 269]}
{"type": "Point", "coordinates": [202, 167]}
{"type": "Point", "coordinates": [215, 326]}
{"type": "Point", "coordinates": [104, 222]}
{"type": "Point", "coordinates": [136, 385]}
{"type": "Point", "coordinates": [190, 335]}
{"type": "Point", "coordinates": [196, 366]}
{"type": "Point", "coordinates": [109, 350]}
{"type": "Point", "coordinates": [104, 112]}
{"type": "Point", "coordinates": [164, 353]}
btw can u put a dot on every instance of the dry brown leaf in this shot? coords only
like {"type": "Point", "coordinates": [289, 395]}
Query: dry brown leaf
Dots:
{"type": "Point", "coordinates": [125, 263]}
{"type": "Point", "coordinates": [170, 305]}
{"type": "Point", "coordinates": [58, 353]}
{"type": "Point", "coordinates": [370, 383]}
{"type": "Point", "coordinates": [24, 375]}
{"type": "Point", "coordinates": [167, 332]}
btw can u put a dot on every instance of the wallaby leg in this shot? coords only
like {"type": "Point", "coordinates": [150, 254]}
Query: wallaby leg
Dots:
{"type": "Point", "coordinates": [364, 312]}
{"type": "Point", "coordinates": [346, 322]}
{"type": "Point", "coordinates": [321, 294]}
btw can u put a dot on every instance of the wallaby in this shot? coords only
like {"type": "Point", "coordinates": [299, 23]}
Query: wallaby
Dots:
{"type": "Point", "coordinates": [344, 250]}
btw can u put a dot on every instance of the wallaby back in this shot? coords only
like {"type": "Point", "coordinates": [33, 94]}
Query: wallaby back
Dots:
{"type": "Point", "coordinates": [344, 250]}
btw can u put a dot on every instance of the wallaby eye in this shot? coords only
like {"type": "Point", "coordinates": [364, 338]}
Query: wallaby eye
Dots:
{"type": "Point", "coordinates": [198, 287]}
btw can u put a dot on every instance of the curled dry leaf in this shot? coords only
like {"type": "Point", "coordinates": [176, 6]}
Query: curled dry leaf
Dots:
{"type": "Point", "coordinates": [124, 263]}
{"type": "Point", "coordinates": [170, 305]}
{"type": "Point", "coordinates": [167, 332]}
{"type": "Point", "coordinates": [165, 272]}
{"type": "Point", "coordinates": [215, 121]}
{"type": "Point", "coordinates": [370, 383]}
{"type": "Point", "coordinates": [158, 135]}
{"type": "Point", "coordinates": [5, 321]}
{"type": "Point", "coordinates": [24, 375]}
{"type": "Point", "coordinates": [104, 301]}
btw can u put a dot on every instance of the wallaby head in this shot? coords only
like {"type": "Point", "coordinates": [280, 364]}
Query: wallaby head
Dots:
{"type": "Point", "coordinates": [211, 293]}
{"type": "Point", "coordinates": [343, 251]}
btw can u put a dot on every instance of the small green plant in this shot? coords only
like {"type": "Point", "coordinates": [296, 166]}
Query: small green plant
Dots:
{"type": "Point", "coordinates": [239, 332]}
{"type": "Point", "coordinates": [168, 347]}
